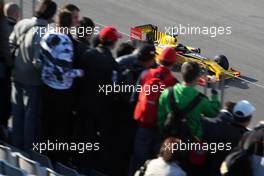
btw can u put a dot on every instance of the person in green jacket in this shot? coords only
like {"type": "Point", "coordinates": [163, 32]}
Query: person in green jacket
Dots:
{"type": "Point", "coordinates": [184, 93]}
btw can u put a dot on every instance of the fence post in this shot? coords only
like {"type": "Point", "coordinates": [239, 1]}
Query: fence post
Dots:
{"type": "Point", "coordinates": [206, 85]}
{"type": "Point", "coordinates": [33, 7]}
{"type": "Point", "coordinates": [222, 88]}
{"type": "Point", "coordinates": [21, 9]}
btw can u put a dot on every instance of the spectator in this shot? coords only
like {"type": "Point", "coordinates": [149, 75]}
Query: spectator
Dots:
{"type": "Point", "coordinates": [81, 43]}
{"type": "Point", "coordinates": [132, 65]}
{"type": "Point", "coordinates": [12, 12]}
{"type": "Point", "coordinates": [124, 48]}
{"type": "Point", "coordinates": [184, 94]}
{"type": "Point", "coordinates": [26, 83]}
{"type": "Point", "coordinates": [5, 59]}
{"type": "Point", "coordinates": [89, 26]}
{"type": "Point", "coordinates": [83, 39]}
{"type": "Point", "coordinates": [242, 115]}
{"type": "Point", "coordinates": [184, 119]}
{"type": "Point", "coordinates": [247, 158]}
{"type": "Point", "coordinates": [137, 62]}
{"type": "Point", "coordinates": [167, 162]}
{"type": "Point", "coordinates": [213, 126]}
{"type": "Point", "coordinates": [147, 139]}
{"type": "Point", "coordinates": [75, 13]}
{"type": "Point", "coordinates": [57, 75]}
{"type": "Point", "coordinates": [95, 41]}
{"type": "Point", "coordinates": [227, 129]}
{"type": "Point", "coordinates": [97, 110]}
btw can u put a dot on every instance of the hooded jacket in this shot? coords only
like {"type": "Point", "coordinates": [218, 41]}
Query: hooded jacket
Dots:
{"type": "Point", "coordinates": [183, 95]}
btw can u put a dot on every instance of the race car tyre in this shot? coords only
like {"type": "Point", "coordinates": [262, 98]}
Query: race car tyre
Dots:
{"type": "Point", "coordinates": [222, 61]}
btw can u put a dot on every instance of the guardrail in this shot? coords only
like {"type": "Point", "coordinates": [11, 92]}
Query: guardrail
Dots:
{"type": "Point", "coordinates": [21, 4]}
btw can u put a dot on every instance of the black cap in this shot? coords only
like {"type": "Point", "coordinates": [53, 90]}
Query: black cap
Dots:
{"type": "Point", "coordinates": [147, 51]}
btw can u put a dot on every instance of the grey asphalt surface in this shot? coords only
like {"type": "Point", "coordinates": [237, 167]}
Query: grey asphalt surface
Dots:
{"type": "Point", "coordinates": [244, 47]}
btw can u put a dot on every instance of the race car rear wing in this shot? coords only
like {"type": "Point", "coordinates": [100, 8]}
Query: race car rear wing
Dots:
{"type": "Point", "coordinates": [152, 35]}
{"type": "Point", "coordinates": [138, 31]}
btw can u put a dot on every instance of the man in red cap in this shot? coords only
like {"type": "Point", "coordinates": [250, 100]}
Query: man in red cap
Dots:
{"type": "Point", "coordinates": [152, 81]}
{"type": "Point", "coordinates": [97, 122]}
{"type": "Point", "coordinates": [109, 36]}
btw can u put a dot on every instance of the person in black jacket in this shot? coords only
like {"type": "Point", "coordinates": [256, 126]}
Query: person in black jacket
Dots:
{"type": "Point", "coordinates": [5, 59]}
{"type": "Point", "coordinates": [95, 41]}
{"type": "Point", "coordinates": [132, 66]}
{"type": "Point", "coordinates": [97, 121]}
{"type": "Point", "coordinates": [75, 11]}
{"type": "Point", "coordinates": [12, 12]}
{"type": "Point", "coordinates": [82, 43]}
{"type": "Point", "coordinates": [82, 39]}
{"type": "Point", "coordinates": [247, 158]}
{"type": "Point", "coordinates": [139, 60]}
{"type": "Point", "coordinates": [227, 128]}
{"type": "Point", "coordinates": [125, 48]}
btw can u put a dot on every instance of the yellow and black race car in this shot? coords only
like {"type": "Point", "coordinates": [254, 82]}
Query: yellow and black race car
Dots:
{"type": "Point", "coordinates": [214, 67]}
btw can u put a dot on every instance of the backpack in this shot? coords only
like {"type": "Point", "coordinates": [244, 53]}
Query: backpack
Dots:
{"type": "Point", "coordinates": [146, 108]}
{"type": "Point", "coordinates": [175, 123]}
{"type": "Point", "coordinates": [128, 77]}
{"type": "Point", "coordinates": [236, 163]}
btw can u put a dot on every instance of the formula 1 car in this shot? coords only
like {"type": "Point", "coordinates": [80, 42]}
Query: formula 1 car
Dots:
{"type": "Point", "coordinates": [215, 68]}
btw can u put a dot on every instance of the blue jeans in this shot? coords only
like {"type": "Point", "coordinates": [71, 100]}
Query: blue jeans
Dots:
{"type": "Point", "coordinates": [146, 146]}
{"type": "Point", "coordinates": [26, 111]}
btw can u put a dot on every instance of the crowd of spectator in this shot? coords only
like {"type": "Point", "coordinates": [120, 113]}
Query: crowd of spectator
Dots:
{"type": "Point", "coordinates": [50, 89]}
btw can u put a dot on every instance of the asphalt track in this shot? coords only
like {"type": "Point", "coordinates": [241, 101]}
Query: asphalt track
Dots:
{"type": "Point", "coordinates": [244, 47]}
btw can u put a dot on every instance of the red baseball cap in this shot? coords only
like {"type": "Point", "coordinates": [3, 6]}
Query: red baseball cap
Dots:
{"type": "Point", "coordinates": [168, 55]}
{"type": "Point", "coordinates": [109, 33]}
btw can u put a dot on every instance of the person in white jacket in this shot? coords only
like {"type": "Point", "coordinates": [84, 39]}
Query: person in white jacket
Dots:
{"type": "Point", "coordinates": [166, 164]}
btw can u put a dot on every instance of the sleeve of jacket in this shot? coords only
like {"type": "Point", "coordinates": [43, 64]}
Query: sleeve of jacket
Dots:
{"type": "Point", "coordinates": [13, 40]}
{"type": "Point", "coordinates": [211, 107]}
{"type": "Point", "coordinates": [163, 109]}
